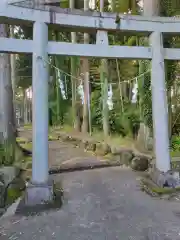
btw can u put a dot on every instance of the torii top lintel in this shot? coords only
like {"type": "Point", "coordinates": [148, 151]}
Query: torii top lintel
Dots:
{"type": "Point", "coordinates": [87, 21]}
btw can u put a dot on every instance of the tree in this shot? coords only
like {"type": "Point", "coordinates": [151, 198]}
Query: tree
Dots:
{"type": "Point", "coordinates": [7, 124]}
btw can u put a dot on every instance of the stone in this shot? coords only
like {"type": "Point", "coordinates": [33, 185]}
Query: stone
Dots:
{"type": "Point", "coordinates": [126, 157]}
{"type": "Point", "coordinates": [150, 144]}
{"type": "Point", "coordinates": [102, 149]}
{"type": "Point", "coordinates": [140, 163]}
{"type": "Point", "coordinates": [37, 194]}
{"type": "Point", "coordinates": [71, 138]}
{"type": "Point", "coordinates": [77, 141]}
{"type": "Point", "coordinates": [9, 173]}
{"type": "Point", "coordinates": [64, 137]}
{"type": "Point", "coordinates": [14, 190]}
{"type": "Point", "coordinates": [2, 194]}
{"type": "Point", "coordinates": [91, 146]}
{"type": "Point", "coordinates": [171, 181]}
{"type": "Point", "coordinates": [118, 150]}
{"type": "Point", "coordinates": [167, 179]}
{"type": "Point", "coordinates": [7, 176]}
{"type": "Point", "coordinates": [115, 150]}
{"type": "Point", "coordinates": [2, 211]}
{"type": "Point", "coordinates": [84, 144]}
{"type": "Point", "coordinates": [1, 177]}
{"type": "Point", "coordinates": [17, 183]}
{"type": "Point", "coordinates": [28, 165]}
{"type": "Point", "coordinates": [116, 159]}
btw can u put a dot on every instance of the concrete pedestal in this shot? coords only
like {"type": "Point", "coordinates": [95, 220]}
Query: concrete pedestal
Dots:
{"type": "Point", "coordinates": [37, 193]}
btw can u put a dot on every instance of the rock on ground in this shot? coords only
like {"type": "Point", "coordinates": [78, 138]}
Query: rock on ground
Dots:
{"type": "Point", "coordinates": [99, 204]}
{"type": "Point", "coordinates": [140, 163]}
{"type": "Point", "coordinates": [8, 175]}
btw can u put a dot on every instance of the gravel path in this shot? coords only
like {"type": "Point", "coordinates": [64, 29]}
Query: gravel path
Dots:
{"type": "Point", "coordinates": [64, 153]}
{"type": "Point", "coordinates": [99, 204]}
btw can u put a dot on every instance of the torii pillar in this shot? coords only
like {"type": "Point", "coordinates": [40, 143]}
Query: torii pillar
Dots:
{"type": "Point", "coordinates": [40, 189]}
{"type": "Point", "coordinates": [159, 104]}
{"type": "Point", "coordinates": [159, 95]}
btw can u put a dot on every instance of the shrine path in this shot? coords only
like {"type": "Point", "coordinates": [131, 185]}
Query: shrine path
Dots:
{"type": "Point", "coordinates": [98, 205]}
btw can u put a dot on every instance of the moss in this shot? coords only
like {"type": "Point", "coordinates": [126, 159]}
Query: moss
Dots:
{"type": "Point", "coordinates": [175, 165]}
{"type": "Point", "coordinates": [109, 157]}
{"type": "Point", "coordinates": [53, 138]}
{"type": "Point", "coordinates": [27, 159]}
{"type": "Point", "coordinates": [28, 165]}
{"type": "Point", "coordinates": [21, 140]}
{"type": "Point", "coordinates": [26, 174]}
{"type": "Point", "coordinates": [58, 187]}
{"type": "Point", "coordinates": [9, 152]}
{"type": "Point", "coordinates": [165, 190]}
{"type": "Point", "coordinates": [28, 126]}
{"type": "Point", "coordinates": [175, 154]}
{"type": "Point", "coordinates": [27, 145]}
{"type": "Point", "coordinates": [12, 195]}
{"type": "Point", "coordinates": [148, 183]}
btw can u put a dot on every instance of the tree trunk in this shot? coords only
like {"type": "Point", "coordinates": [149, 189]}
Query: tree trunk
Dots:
{"type": "Point", "coordinates": [151, 8]}
{"type": "Point", "coordinates": [13, 76]}
{"type": "Point", "coordinates": [58, 94]}
{"type": "Point", "coordinates": [7, 128]}
{"type": "Point", "coordinates": [25, 114]}
{"type": "Point", "coordinates": [104, 84]}
{"type": "Point", "coordinates": [57, 83]}
{"type": "Point", "coordinates": [76, 120]}
{"type": "Point", "coordinates": [113, 7]}
{"type": "Point", "coordinates": [85, 125]}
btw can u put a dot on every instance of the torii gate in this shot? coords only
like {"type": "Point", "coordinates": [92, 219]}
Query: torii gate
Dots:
{"type": "Point", "coordinates": [101, 23]}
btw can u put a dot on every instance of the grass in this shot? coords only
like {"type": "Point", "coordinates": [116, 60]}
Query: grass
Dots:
{"type": "Point", "coordinates": [52, 137]}
{"type": "Point", "coordinates": [175, 154]}
{"type": "Point", "coordinates": [149, 184]}
{"type": "Point", "coordinates": [165, 190]}
{"type": "Point", "coordinates": [114, 139]}
{"type": "Point", "coordinates": [27, 145]}
{"type": "Point", "coordinates": [27, 126]}
{"type": "Point", "coordinates": [21, 140]}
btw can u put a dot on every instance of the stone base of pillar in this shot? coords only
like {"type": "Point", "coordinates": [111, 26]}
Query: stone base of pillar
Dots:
{"type": "Point", "coordinates": [169, 179]}
{"type": "Point", "coordinates": [40, 198]}
{"type": "Point", "coordinates": [39, 193]}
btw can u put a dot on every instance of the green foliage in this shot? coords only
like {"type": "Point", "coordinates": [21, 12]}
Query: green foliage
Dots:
{"type": "Point", "coordinates": [176, 121]}
{"type": "Point", "coordinates": [96, 109]}
{"type": "Point", "coordinates": [68, 116]}
{"type": "Point", "coordinates": [175, 143]}
{"type": "Point", "coordinates": [24, 62]}
{"type": "Point", "coordinates": [24, 71]}
{"type": "Point", "coordinates": [7, 156]}
{"type": "Point", "coordinates": [170, 7]}
{"type": "Point", "coordinates": [121, 123]}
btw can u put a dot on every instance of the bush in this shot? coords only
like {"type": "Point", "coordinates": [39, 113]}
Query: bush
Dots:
{"type": "Point", "coordinates": [121, 123]}
{"type": "Point", "coordinates": [6, 154]}
{"type": "Point", "coordinates": [175, 143]}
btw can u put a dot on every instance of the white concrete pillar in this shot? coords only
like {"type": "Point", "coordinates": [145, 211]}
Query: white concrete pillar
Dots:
{"type": "Point", "coordinates": [159, 104]}
{"type": "Point", "coordinates": [40, 103]}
